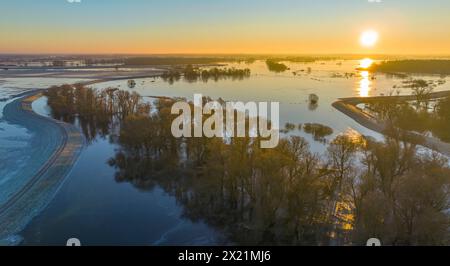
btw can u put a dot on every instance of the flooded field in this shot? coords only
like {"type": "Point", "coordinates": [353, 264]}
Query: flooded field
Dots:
{"type": "Point", "coordinates": [94, 207]}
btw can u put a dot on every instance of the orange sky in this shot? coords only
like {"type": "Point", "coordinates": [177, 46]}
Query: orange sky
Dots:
{"type": "Point", "coordinates": [284, 27]}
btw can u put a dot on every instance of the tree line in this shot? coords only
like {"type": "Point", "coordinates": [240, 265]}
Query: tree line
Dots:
{"type": "Point", "coordinates": [358, 189]}
{"type": "Point", "coordinates": [421, 115]}
{"type": "Point", "coordinates": [193, 74]}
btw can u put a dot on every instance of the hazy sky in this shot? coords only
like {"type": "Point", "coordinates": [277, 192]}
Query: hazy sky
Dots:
{"type": "Point", "coordinates": [223, 26]}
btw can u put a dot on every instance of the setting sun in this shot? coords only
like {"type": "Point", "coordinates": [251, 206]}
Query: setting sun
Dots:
{"type": "Point", "coordinates": [369, 38]}
{"type": "Point", "coordinates": [222, 125]}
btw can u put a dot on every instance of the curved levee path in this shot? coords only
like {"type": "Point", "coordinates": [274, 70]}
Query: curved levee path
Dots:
{"type": "Point", "coordinates": [54, 148]}
{"type": "Point", "coordinates": [348, 106]}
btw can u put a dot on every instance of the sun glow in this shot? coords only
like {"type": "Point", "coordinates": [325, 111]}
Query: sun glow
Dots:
{"type": "Point", "coordinates": [369, 38]}
{"type": "Point", "coordinates": [365, 63]}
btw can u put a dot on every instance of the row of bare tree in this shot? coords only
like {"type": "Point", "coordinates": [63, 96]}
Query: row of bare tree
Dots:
{"type": "Point", "coordinates": [358, 189]}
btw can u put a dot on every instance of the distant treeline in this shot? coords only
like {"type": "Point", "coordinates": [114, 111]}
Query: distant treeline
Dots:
{"type": "Point", "coordinates": [192, 74]}
{"type": "Point", "coordinates": [140, 61]}
{"type": "Point", "coordinates": [301, 59]}
{"type": "Point", "coordinates": [198, 60]}
{"type": "Point", "coordinates": [414, 66]}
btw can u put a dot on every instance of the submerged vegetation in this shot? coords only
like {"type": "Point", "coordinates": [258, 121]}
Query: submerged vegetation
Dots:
{"type": "Point", "coordinates": [94, 109]}
{"type": "Point", "coordinates": [192, 74]}
{"type": "Point", "coordinates": [428, 66]}
{"type": "Point", "coordinates": [422, 115]}
{"type": "Point", "coordinates": [275, 66]}
{"type": "Point", "coordinates": [318, 131]}
{"type": "Point", "coordinates": [288, 195]}
{"type": "Point", "coordinates": [408, 116]}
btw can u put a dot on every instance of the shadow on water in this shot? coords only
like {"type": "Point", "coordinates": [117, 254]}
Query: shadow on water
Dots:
{"type": "Point", "coordinates": [282, 196]}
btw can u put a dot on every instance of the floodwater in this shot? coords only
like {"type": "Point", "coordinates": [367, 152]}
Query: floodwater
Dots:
{"type": "Point", "coordinates": [15, 140]}
{"type": "Point", "coordinates": [93, 207]}
{"type": "Point", "coordinates": [326, 79]}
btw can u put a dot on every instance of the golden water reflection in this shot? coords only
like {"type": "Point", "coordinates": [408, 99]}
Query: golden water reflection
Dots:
{"type": "Point", "coordinates": [365, 84]}
{"type": "Point", "coordinates": [365, 63]}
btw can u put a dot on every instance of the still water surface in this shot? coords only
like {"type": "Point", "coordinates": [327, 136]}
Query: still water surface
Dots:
{"type": "Point", "coordinates": [93, 207]}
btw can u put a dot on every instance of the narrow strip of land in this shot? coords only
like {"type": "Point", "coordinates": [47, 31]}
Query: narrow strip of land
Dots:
{"type": "Point", "coordinates": [54, 148]}
{"type": "Point", "coordinates": [348, 106]}
{"type": "Point", "coordinates": [359, 100]}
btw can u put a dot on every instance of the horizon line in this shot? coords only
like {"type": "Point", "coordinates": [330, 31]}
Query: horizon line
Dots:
{"type": "Point", "coordinates": [227, 54]}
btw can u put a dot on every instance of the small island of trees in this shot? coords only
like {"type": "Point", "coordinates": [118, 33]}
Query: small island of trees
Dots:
{"type": "Point", "coordinates": [193, 74]}
{"type": "Point", "coordinates": [275, 66]}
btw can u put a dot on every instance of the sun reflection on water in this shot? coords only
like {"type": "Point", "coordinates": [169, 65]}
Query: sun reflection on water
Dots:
{"type": "Point", "coordinates": [365, 84]}
{"type": "Point", "coordinates": [365, 63]}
